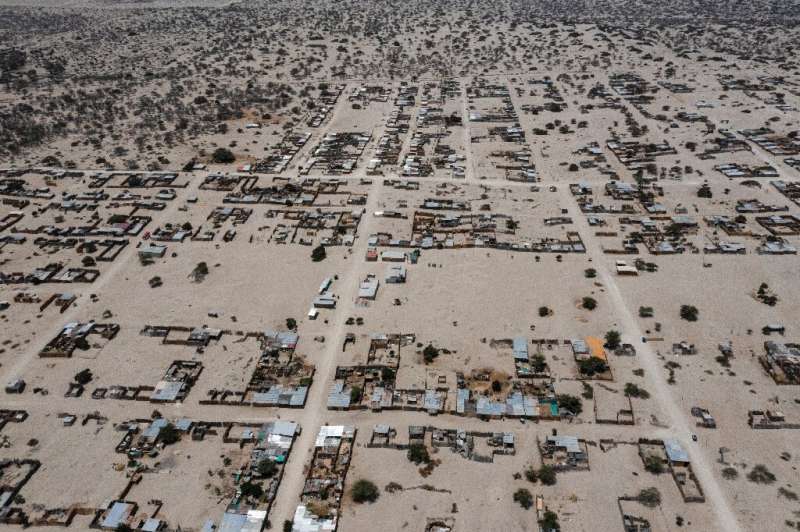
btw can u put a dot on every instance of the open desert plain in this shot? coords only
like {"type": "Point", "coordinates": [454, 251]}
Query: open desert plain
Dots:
{"type": "Point", "coordinates": [421, 266]}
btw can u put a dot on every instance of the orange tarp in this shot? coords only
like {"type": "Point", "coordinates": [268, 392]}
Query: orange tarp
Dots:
{"type": "Point", "coordinates": [596, 347]}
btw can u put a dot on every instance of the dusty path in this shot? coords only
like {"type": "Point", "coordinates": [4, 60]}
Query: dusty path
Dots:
{"type": "Point", "coordinates": [315, 412]}
{"type": "Point", "coordinates": [660, 390]}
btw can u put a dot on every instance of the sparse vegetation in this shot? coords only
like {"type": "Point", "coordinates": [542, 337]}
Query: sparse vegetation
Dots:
{"type": "Point", "coordinates": [730, 473]}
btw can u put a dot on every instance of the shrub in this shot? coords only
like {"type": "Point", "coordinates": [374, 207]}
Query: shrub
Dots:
{"type": "Point", "coordinates": [730, 473]}
{"type": "Point", "coordinates": [761, 475]}
{"type": "Point", "coordinates": [531, 475]}
{"type": "Point", "coordinates": [544, 312]}
{"type": "Point", "coordinates": [418, 454]}
{"type": "Point", "coordinates": [223, 155]}
{"type": "Point", "coordinates": [649, 497]}
{"type": "Point", "coordinates": [524, 498]}
{"type": "Point", "coordinates": [430, 353]}
{"type": "Point", "coordinates": [589, 303]}
{"type": "Point", "coordinates": [590, 273]}
{"type": "Point", "coordinates": [588, 391]}
{"type": "Point", "coordinates": [646, 312]}
{"type": "Point", "coordinates": [200, 271]}
{"type": "Point", "coordinates": [84, 377]}
{"type": "Point", "coordinates": [364, 491]}
{"type": "Point", "coordinates": [291, 324]}
{"type": "Point", "coordinates": [653, 464]}
{"type": "Point", "coordinates": [570, 402]}
{"type": "Point", "coordinates": [547, 475]}
{"type": "Point", "coordinates": [632, 390]}
{"type": "Point", "coordinates": [318, 254]}
{"type": "Point", "coordinates": [689, 313]}
{"type": "Point", "coordinates": [549, 521]}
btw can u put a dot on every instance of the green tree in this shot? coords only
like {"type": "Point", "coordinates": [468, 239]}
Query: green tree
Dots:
{"type": "Point", "coordinates": [169, 434]}
{"type": "Point", "coordinates": [355, 394]}
{"type": "Point", "coordinates": [653, 464]}
{"type": "Point", "coordinates": [613, 339]}
{"type": "Point", "coordinates": [84, 377]}
{"type": "Point", "coordinates": [267, 468]}
{"type": "Point", "coordinates": [252, 490]}
{"type": "Point", "coordinates": [223, 155]}
{"type": "Point", "coordinates": [591, 366]}
{"type": "Point", "coordinates": [387, 374]}
{"type": "Point", "coordinates": [761, 475]}
{"type": "Point", "coordinates": [547, 475]}
{"type": "Point", "coordinates": [632, 390]}
{"type": "Point", "coordinates": [524, 498]}
{"type": "Point", "coordinates": [418, 454]}
{"type": "Point", "coordinates": [689, 313]}
{"type": "Point", "coordinates": [570, 402]}
{"type": "Point", "coordinates": [430, 353]}
{"type": "Point", "coordinates": [589, 303]}
{"type": "Point", "coordinates": [291, 324]}
{"type": "Point", "coordinates": [364, 491]}
{"type": "Point", "coordinates": [649, 497]}
{"type": "Point", "coordinates": [538, 363]}
{"type": "Point", "coordinates": [318, 254]}
{"type": "Point", "coordinates": [549, 522]}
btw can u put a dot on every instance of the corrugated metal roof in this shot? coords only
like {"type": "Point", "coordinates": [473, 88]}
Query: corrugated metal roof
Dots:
{"type": "Point", "coordinates": [520, 348]}
{"type": "Point", "coordinates": [675, 451]}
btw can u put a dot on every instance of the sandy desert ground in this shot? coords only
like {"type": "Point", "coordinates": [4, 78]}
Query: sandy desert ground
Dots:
{"type": "Point", "coordinates": [551, 173]}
